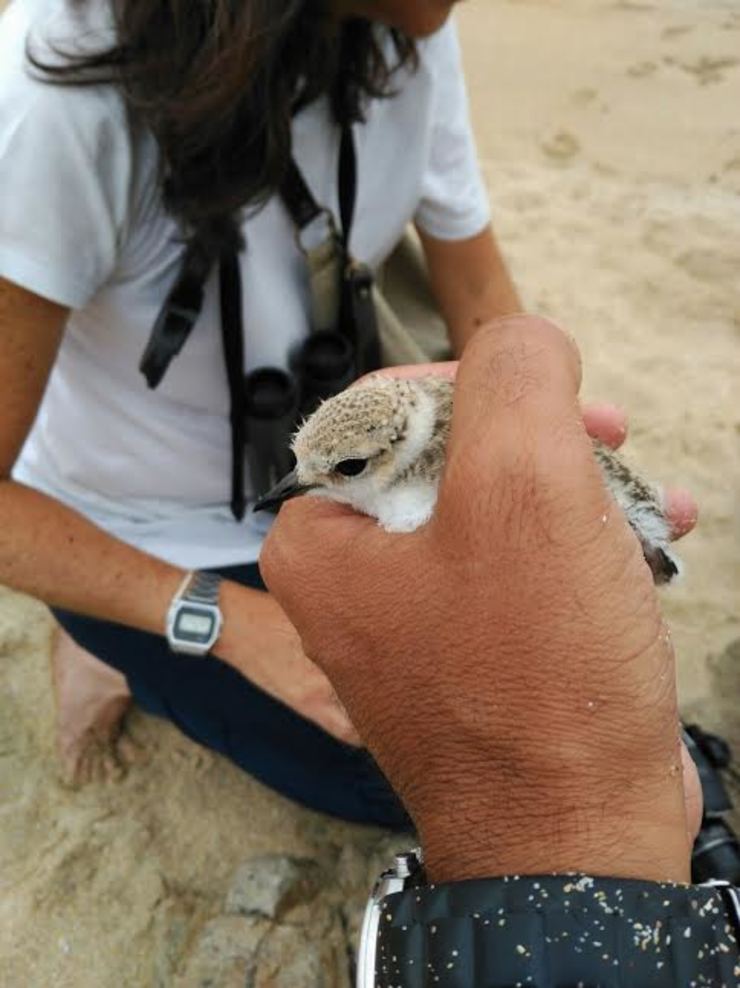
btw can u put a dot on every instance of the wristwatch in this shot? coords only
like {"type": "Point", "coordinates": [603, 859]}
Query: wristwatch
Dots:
{"type": "Point", "coordinates": [546, 931]}
{"type": "Point", "coordinates": [194, 619]}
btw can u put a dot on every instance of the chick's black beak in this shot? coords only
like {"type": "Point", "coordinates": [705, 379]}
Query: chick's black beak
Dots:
{"type": "Point", "coordinates": [284, 490]}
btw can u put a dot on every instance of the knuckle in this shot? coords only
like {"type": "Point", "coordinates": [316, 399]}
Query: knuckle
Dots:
{"type": "Point", "coordinates": [518, 354]}
{"type": "Point", "coordinates": [519, 331]}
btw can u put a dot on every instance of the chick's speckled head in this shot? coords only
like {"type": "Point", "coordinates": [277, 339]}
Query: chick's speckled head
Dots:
{"type": "Point", "coordinates": [364, 436]}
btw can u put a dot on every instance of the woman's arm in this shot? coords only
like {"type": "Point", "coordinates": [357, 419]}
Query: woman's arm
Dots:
{"type": "Point", "coordinates": [46, 549]}
{"type": "Point", "coordinates": [471, 283]}
{"type": "Point", "coordinates": [55, 554]}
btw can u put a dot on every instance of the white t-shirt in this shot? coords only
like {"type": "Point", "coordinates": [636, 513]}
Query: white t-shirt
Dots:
{"type": "Point", "coordinates": [82, 223]}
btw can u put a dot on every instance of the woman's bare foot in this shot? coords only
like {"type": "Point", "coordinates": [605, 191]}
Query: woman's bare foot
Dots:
{"type": "Point", "coordinates": [91, 701]}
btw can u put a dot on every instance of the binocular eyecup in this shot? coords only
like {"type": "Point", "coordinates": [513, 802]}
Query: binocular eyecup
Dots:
{"type": "Point", "coordinates": [275, 401]}
{"type": "Point", "coordinates": [271, 411]}
{"type": "Point", "coordinates": [324, 366]}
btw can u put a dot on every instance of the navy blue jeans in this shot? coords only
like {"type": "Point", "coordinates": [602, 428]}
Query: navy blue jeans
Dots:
{"type": "Point", "coordinates": [217, 707]}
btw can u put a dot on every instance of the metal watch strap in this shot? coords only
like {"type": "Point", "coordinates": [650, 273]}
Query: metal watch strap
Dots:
{"type": "Point", "coordinates": [550, 931]}
{"type": "Point", "coordinates": [201, 588]}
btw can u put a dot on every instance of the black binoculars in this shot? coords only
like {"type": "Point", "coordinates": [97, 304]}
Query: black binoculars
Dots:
{"type": "Point", "coordinates": [716, 853]}
{"type": "Point", "coordinates": [275, 401]}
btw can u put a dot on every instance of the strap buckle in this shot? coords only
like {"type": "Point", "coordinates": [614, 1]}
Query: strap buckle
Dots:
{"type": "Point", "coordinates": [320, 230]}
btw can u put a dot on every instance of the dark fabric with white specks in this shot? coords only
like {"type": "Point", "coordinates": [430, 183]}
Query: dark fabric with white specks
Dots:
{"type": "Point", "coordinates": [557, 932]}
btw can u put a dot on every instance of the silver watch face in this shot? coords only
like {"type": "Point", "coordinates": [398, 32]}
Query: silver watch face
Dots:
{"type": "Point", "coordinates": [193, 628]}
{"type": "Point", "coordinates": [194, 625]}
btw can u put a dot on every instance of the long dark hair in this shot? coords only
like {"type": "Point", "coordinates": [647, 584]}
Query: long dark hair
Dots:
{"type": "Point", "coordinates": [217, 82]}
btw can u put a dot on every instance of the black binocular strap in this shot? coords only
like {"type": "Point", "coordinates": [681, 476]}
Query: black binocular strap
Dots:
{"type": "Point", "coordinates": [232, 332]}
{"type": "Point", "coordinates": [178, 314]}
{"type": "Point", "coordinates": [297, 197]}
{"type": "Point", "coordinates": [299, 200]}
{"type": "Point", "coordinates": [347, 181]}
{"type": "Point", "coordinates": [184, 303]}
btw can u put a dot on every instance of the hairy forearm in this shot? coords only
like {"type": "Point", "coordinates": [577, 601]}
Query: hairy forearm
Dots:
{"type": "Point", "coordinates": [53, 553]}
{"type": "Point", "coordinates": [547, 828]}
{"type": "Point", "coordinates": [477, 300]}
{"type": "Point", "coordinates": [497, 299]}
{"type": "Point", "coordinates": [471, 283]}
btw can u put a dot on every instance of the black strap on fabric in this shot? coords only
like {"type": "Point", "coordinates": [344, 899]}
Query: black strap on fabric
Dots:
{"type": "Point", "coordinates": [297, 197]}
{"type": "Point", "coordinates": [347, 181]}
{"type": "Point", "coordinates": [184, 303]}
{"type": "Point", "coordinates": [178, 315]}
{"type": "Point", "coordinates": [232, 332]}
{"type": "Point", "coordinates": [174, 324]}
{"type": "Point", "coordinates": [299, 200]}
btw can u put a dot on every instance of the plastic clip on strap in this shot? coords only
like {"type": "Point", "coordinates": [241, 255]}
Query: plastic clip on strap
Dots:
{"type": "Point", "coordinates": [326, 363]}
{"type": "Point", "coordinates": [357, 319]}
{"type": "Point", "coordinates": [296, 195]}
{"type": "Point", "coordinates": [178, 315]}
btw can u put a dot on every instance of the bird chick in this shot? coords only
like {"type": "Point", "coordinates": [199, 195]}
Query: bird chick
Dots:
{"type": "Point", "coordinates": [380, 447]}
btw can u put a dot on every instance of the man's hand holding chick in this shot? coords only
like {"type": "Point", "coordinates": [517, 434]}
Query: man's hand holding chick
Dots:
{"type": "Point", "coordinates": [507, 664]}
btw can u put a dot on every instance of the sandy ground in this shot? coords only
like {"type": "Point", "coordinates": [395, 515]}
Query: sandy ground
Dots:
{"type": "Point", "coordinates": [610, 137]}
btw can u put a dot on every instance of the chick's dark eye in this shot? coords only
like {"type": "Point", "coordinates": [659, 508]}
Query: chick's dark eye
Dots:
{"type": "Point", "coordinates": [350, 468]}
